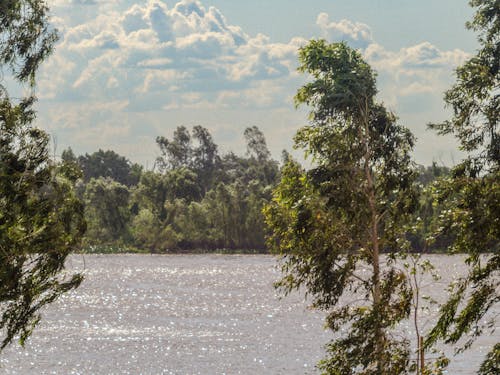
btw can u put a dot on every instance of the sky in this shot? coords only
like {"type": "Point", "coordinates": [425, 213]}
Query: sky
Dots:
{"type": "Point", "coordinates": [125, 72]}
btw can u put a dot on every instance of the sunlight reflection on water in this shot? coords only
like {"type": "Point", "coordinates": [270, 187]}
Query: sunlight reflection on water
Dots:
{"type": "Point", "coordinates": [185, 314]}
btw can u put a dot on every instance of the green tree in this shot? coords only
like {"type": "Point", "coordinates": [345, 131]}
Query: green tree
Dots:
{"type": "Point", "coordinates": [108, 164]}
{"type": "Point", "coordinates": [106, 211]}
{"type": "Point", "coordinates": [200, 156]}
{"type": "Point", "coordinates": [26, 38]}
{"type": "Point", "coordinates": [330, 222]}
{"type": "Point", "coordinates": [177, 152]}
{"type": "Point", "coordinates": [471, 196]}
{"type": "Point", "coordinates": [151, 193]}
{"type": "Point", "coordinates": [68, 156]}
{"type": "Point", "coordinates": [182, 183]}
{"type": "Point", "coordinates": [206, 160]}
{"type": "Point", "coordinates": [149, 233]}
{"type": "Point", "coordinates": [256, 144]}
{"type": "Point", "coordinates": [261, 166]}
{"type": "Point", "coordinates": [426, 215]}
{"type": "Point", "coordinates": [41, 219]}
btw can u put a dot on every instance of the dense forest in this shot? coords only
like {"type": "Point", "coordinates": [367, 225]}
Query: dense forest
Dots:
{"type": "Point", "coordinates": [193, 199]}
{"type": "Point", "coordinates": [196, 199]}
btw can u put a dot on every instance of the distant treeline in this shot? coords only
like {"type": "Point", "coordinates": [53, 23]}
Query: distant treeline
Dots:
{"type": "Point", "coordinates": [198, 199]}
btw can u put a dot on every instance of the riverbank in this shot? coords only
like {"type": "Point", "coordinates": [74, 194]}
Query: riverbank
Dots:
{"type": "Point", "coordinates": [113, 249]}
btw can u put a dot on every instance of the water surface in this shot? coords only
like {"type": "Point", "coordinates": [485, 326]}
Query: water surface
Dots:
{"type": "Point", "coordinates": [187, 314]}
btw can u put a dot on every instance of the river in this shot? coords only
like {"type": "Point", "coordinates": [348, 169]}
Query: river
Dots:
{"type": "Point", "coordinates": [189, 314]}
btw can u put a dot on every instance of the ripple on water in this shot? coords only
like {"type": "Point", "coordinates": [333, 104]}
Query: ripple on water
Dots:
{"type": "Point", "coordinates": [183, 314]}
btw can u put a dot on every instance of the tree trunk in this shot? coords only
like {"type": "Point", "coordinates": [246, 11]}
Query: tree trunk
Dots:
{"type": "Point", "coordinates": [375, 253]}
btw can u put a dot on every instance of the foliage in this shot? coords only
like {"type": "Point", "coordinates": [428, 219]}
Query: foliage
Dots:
{"type": "Point", "coordinates": [149, 234]}
{"type": "Point", "coordinates": [106, 210]}
{"type": "Point", "coordinates": [26, 38]}
{"type": "Point", "coordinates": [256, 144]}
{"type": "Point", "coordinates": [176, 153]}
{"type": "Point", "coordinates": [41, 219]}
{"type": "Point", "coordinates": [338, 217]}
{"type": "Point", "coordinates": [425, 217]}
{"type": "Point", "coordinates": [41, 222]}
{"type": "Point", "coordinates": [470, 198]}
{"type": "Point", "coordinates": [491, 365]}
{"type": "Point", "coordinates": [474, 97]}
{"type": "Point", "coordinates": [106, 164]}
{"type": "Point", "coordinates": [196, 200]}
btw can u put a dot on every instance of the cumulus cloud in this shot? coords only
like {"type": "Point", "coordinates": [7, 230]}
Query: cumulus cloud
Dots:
{"type": "Point", "coordinates": [356, 34]}
{"type": "Point", "coordinates": [414, 70]}
{"type": "Point", "coordinates": [150, 48]}
{"type": "Point", "coordinates": [120, 61]}
{"type": "Point", "coordinates": [147, 53]}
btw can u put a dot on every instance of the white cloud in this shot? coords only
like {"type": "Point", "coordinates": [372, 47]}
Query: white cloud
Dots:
{"type": "Point", "coordinates": [414, 70]}
{"type": "Point", "coordinates": [158, 63]}
{"type": "Point", "coordinates": [119, 62]}
{"type": "Point", "coordinates": [149, 47]}
{"type": "Point", "coordinates": [356, 34]}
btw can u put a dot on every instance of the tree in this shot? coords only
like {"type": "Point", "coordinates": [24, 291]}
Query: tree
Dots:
{"type": "Point", "coordinates": [471, 196]}
{"type": "Point", "coordinates": [41, 219]}
{"type": "Point", "coordinates": [149, 233]}
{"type": "Point", "coordinates": [108, 164]}
{"type": "Point", "coordinates": [68, 156]}
{"type": "Point", "coordinates": [106, 210]}
{"type": "Point", "coordinates": [183, 183]}
{"type": "Point", "coordinates": [256, 144]}
{"type": "Point", "coordinates": [177, 152]}
{"type": "Point", "coordinates": [26, 39]}
{"type": "Point", "coordinates": [426, 215]}
{"type": "Point", "coordinates": [201, 158]}
{"type": "Point", "coordinates": [151, 193]}
{"type": "Point", "coordinates": [206, 159]}
{"type": "Point", "coordinates": [337, 218]}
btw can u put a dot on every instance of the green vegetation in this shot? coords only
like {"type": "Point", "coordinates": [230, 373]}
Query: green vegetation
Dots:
{"type": "Point", "coordinates": [194, 200]}
{"type": "Point", "coordinates": [41, 218]}
{"type": "Point", "coordinates": [470, 197]}
{"type": "Point", "coordinates": [355, 203]}
{"type": "Point", "coordinates": [360, 199]}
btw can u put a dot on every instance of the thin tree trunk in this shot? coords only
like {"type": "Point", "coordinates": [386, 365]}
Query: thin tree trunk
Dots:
{"type": "Point", "coordinates": [375, 254]}
{"type": "Point", "coordinates": [421, 354]}
{"type": "Point", "coordinates": [415, 322]}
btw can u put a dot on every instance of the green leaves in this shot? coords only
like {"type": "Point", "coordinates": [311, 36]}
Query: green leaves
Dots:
{"type": "Point", "coordinates": [41, 222]}
{"type": "Point", "coordinates": [470, 199]}
{"type": "Point", "coordinates": [41, 219]}
{"type": "Point", "coordinates": [492, 363]}
{"type": "Point", "coordinates": [349, 207]}
{"type": "Point", "coordinates": [26, 38]}
{"type": "Point", "coordinates": [342, 83]}
{"type": "Point", "coordinates": [474, 97]}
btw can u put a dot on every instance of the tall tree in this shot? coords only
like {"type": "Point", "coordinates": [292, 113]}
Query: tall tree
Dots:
{"type": "Point", "coordinates": [182, 183]}
{"type": "Point", "coordinates": [106, 210]}
{"type": "Point", "coordinates": [471, 197]}
{"type": "Point", "coordinates": [332, 221]}
{"type": "Point", "coordinates": [108, 164]}
{"type": "Point", "coordinates": [41, 220]}
{"type": "Point", "coordinates": [177, 152]}
{"type": "Point", "coordinates": [151, 193]}
{"type": "Point", "coordinates": [206, 159]}
{"type": "Point", "coordinates": [261, 166]}
{"type": "Point", "coordinates": [256, 144]}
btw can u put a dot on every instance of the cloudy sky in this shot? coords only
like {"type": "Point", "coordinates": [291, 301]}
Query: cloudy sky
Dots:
{"type": "Point", "coordinates": [126, 71]}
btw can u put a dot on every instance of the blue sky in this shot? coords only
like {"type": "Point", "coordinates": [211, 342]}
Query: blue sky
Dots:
{"type": "Point", "coordinates": [127, 71]}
